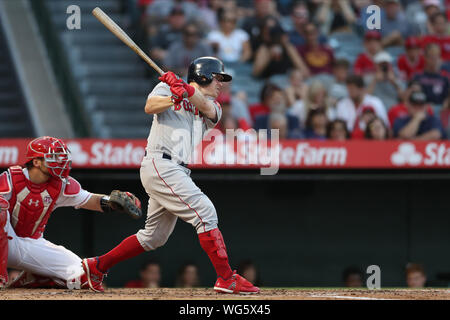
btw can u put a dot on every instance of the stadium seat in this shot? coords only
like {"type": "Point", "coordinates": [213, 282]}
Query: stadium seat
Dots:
{"type": "Point", "coordinates": [15, 120]}
{"type": "Point", "coordinates": [111, 77]}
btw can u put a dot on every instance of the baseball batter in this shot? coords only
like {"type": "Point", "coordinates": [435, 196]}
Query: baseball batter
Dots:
{"type": "Point", "coordinates": [178, 108]}
{"type": "Point", "coordinates": [28, 196]}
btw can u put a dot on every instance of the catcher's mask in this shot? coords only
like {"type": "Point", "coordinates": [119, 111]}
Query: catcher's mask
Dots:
{"type": "Point", "coordinates": [55, 153]}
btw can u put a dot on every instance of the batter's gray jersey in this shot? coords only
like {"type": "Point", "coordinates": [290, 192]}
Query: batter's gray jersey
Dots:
{"type": "Point", "coordinates": [179, 129]}
{"type": "Point", "coordinates": [172, 193]}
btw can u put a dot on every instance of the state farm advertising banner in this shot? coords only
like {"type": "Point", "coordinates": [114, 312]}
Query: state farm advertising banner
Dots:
{"type": "Point", "coordinates": [300, 154]}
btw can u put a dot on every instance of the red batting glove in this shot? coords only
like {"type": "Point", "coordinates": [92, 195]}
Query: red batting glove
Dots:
{"type": "Point", "coordinates": [189, 89]}
{"type": "Point", "coordinates": [178, 92]}
{"type": "Point", "coordinates": [170, 78]}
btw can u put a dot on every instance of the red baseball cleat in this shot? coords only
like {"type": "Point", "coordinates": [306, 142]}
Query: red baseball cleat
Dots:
{"type": "Point", "coordinates": [94, 275]}
{"type": "Point", "coordinates": [235, 284]}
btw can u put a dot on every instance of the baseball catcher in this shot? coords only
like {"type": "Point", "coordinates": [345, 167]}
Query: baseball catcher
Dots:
{"type": "Point", "coordinates": [28, 196]}
{"type": "Point", "coordinates": [177, 107]}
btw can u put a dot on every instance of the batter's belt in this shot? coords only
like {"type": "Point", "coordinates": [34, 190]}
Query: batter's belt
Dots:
{"type": "Point", "coordinates": [168, 157]}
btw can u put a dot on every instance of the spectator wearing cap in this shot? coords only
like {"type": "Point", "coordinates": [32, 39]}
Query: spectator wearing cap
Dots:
{"type": "Point", "coordinates": [336, 16]}
{"type": "Point", "coordinates": [353, 108]}
{"type": "Point", "coordinates": [300, 18]}
{"type": "Point", "coordinates": [394, 26]}
{"type": "Point", "coordinates": [439, 35]}
{"type": "Point", "coordinates": [228, 42]}
{"type": "Point", "coordinates": [415, 275]}
{"type": "Point", "coordinates": [372, 45]}
{"type": "Point", "coordinates": [412, 61]}
{"type": "Point", "coordinates": [180, 54]}
{"type": "Point", "coordinates": [401, 109]}
{"type": "Point", "coordinates": [434, 84]}
{"type": "Point", "coordinates": [168, 33]}
{"type": "Point", "coordinates": [275, 54]}
{"type": "Point", "coordinates": [318, 58]}
{"type": "Point", "coordinates": [419, 13]}
{"type": "Point", "coordinates": [418, 124]}
{"type": "Point", "coordinates": [385, 84]}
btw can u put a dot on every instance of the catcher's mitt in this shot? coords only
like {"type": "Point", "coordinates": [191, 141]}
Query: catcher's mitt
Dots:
{"type": "Point", "coordinates": [125, 202]}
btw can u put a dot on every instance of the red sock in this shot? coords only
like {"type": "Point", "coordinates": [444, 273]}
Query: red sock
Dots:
{"type": "Point", "coordinates": [128, 248]}
{"type": "Point", "coordinates": [212, 243]}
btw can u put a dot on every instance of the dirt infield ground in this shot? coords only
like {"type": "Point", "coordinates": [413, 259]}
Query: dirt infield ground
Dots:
{"type": "Point", "coordinates": [209, 294]}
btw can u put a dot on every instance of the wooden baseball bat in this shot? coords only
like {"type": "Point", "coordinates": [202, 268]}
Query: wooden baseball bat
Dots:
{"type": "Point", "coordinates": [119, 33]}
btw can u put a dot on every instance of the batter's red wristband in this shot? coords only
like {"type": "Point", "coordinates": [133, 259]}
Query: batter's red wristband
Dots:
{"type": "Point", "coordinates": [189, 89]}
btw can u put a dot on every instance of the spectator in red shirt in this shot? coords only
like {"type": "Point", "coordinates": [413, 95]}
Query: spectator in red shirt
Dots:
{"type": "Point", "coordinates": [412, 61]}
{"type": "Point", "coordinates": [319, 58]}
{"type": "Point", "coordinates": [266, 98]}
{"type": "Point", "coordinates": [150, 276]}
{"type": "Point", "coordinates": [364, 62]}
{"type": "Point", "coordinates": [439, 35]}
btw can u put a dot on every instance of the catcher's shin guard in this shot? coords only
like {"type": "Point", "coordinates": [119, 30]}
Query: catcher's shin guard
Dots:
{"type": "Point", "coordinates": [213, 244]}
{"type": "Point", "coordinates": [3, 243]}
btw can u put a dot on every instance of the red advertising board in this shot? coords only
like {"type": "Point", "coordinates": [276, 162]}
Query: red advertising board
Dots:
{"type": "Point", "coordinates": [300, 154]}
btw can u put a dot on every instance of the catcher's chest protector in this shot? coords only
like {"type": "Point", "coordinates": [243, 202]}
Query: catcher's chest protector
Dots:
{"type": "Point", "coordinates": [31, 204]}
{"type": "Point", "coordinates": [3, 247]}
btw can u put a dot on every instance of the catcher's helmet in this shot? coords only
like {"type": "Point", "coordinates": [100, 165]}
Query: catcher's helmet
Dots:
{"type": "Point", "coordinates": [202, 70]}
{"type": "Point", "coordinates": [55, 153]}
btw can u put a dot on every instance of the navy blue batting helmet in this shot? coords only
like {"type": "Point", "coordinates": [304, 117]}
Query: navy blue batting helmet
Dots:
{"type": "Point", "coordinates": [202, 70]}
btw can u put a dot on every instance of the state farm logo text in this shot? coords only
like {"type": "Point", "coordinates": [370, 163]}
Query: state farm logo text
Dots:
{"type": "Point", "coordinates": [435, 154]}
{"type": "Point", "coordinates": [9, 155]}
{"type": "Point", "coordinates": [105, 153]}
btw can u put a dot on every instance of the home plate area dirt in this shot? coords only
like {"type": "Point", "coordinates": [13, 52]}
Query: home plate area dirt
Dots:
{"type": "Point", "coordinates": [209, 294]}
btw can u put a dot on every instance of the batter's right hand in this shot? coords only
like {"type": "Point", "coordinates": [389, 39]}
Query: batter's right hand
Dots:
{"type": "Point", "coordinates": [170, 78]}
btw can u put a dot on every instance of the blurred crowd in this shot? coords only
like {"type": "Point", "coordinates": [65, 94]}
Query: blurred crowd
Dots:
{"type": "Point", "coordinates": [415, 276]}
{"type": "Point", "coordinates": [394, 85]}
{"type": "Point", "coordinates": [188, 276]}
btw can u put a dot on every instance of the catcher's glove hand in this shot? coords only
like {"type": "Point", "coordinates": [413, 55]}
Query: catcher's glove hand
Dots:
{"type": "Point", "coordinates": [120, 201]}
